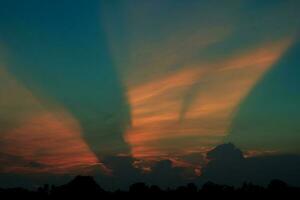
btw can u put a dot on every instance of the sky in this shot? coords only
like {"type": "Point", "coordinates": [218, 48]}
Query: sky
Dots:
{"type": "Point", "coordinates": [81, 81]}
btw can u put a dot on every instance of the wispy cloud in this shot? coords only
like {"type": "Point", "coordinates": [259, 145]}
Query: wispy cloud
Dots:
{"type": "Point", "coordinates": [50, 137]}
{"type": "Point", "coordinates": [158, 120]}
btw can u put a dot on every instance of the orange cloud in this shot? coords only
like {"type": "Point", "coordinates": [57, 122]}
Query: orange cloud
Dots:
{"type": "Point", "coordinates": [43, 140]}
{"type": "Point", "coordinates": [166, 120]}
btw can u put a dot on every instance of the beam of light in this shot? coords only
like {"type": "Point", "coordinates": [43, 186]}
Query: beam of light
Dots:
{"type": "Point", "coordinates": [186, 69]}
{"type": "Point", "coordinates": [36, 139]}
{"type": "Point", "coordinates": [153, 54]}
{"type": "Point", "coordinates": [160, 125]}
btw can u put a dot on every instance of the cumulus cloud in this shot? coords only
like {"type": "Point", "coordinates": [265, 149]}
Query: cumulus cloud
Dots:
{"type": "Point", "coordinates": [224, 164]}
{"type": "Point", "coordinates": [229, 166]}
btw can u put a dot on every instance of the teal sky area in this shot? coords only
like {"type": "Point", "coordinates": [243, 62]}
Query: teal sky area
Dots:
{"type": "Point", "coordinates": [82, 80]}
{"type": "Point", "coordinates": [268, 117]}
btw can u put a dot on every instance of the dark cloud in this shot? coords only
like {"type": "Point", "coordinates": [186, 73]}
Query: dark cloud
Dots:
{"type": "Point", "coordinates": [124, 173]}
{"type": "Point", "coordinates": [225, 152]}
{"type": "Point", "coordinates": [228, 166]}
{"type": "Point", "coordinates": [17, 161]}
{"type": "Point", "coordinates": [166, 175]}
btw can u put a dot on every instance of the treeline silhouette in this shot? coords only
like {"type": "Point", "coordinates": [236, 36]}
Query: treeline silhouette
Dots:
{"type": "Point", "coordinates": [86, 186]}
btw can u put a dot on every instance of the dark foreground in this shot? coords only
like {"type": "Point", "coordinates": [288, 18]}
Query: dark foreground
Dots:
{"type": "Point", "coordinates": [85, 187]}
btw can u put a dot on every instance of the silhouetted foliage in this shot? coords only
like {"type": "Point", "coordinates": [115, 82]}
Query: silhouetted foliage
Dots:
{"type": "Point", "coordinates": [80, 186]}
{"type": "Point", "coordinates": [86, 186]}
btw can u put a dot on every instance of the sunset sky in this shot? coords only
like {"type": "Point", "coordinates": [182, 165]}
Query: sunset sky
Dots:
{"type": "Point", "coordinates": [154, 80]}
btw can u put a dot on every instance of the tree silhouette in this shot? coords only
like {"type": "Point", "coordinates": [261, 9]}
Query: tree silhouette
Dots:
{"type": "Point", "coordinates": [86, 186]}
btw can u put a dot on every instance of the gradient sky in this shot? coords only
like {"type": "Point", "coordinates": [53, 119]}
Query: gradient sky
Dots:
{"type": "Point", "coordinates": [82, 80]}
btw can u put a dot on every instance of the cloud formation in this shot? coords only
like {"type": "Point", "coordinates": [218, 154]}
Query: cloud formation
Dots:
{"type": "Point", "coordinates": [186, 70]}
{"type": "Point", "coordinates": [195, 103]}
{"type": "Point", "coordinates": [229, 166]}
{"type": "Point", "coordinates": [177, 71]}
{"type": "Point", "coordinates": [36, 139]}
